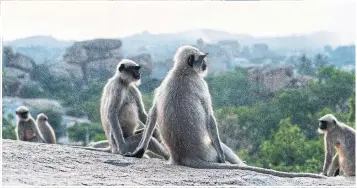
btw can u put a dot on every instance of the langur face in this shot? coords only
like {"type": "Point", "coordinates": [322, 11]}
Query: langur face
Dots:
{"type": "Point", "coordinates": [23, 115]}
{"type": "Point", "coordinates": [198, 64]}
{"type": "Point", "coordinates": [42, 117]}
{"type": "Point", "coordinates": [323, 125]}
{"type": "Point", "coordinates": [130, 73]}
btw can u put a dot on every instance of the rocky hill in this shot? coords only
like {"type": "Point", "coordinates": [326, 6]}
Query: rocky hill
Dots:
{"type": "Point", "coordinates": [25, 163]}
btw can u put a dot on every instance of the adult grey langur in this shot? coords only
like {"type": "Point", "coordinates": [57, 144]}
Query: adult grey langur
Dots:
{"type": "Point", "coordinates": [122, 110]}
{"type": "Point", "coordinates": [342, 138]}
{"type": "Point", "coordinates": [26, 127]}
{"type": "Point", "coordinates": [183, 109]}
{"type": "Point", "coordinates": [46, 129]}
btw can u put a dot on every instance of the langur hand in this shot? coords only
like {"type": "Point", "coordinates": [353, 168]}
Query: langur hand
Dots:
{"type": "Point", "coordinates": [138, 153]}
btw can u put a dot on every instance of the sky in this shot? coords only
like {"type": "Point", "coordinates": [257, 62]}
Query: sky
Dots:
{"type": "Point", "coordinates": [78, 20]}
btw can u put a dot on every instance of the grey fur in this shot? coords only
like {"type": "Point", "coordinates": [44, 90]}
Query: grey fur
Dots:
{"type": "Point", "coordinates": [46, 129]}
{"type": "Point", "coordinates": [341, 138]}
{"type": "Point", "coordinates": [27, 124]}
{"type": "Point", "coordinates": [183, 109]}
{"type": "Point", "coordinates": [122, 111]}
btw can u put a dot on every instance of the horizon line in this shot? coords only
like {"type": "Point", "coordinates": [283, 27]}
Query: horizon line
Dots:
{"type": "Point", "coordinates": [168, 33]}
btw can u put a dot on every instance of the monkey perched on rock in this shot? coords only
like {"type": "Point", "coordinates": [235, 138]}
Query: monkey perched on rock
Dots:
{"type": "Point", "coordinates": [46, 129]}
{"type": "Point", "coordinates": [26, 127]}
{"type": "Point", "coordinates": [183, 109]}
{"type": "Point", "coordinates": [341, 138]}
{"type": "Point", "coordinates": [122, 111]}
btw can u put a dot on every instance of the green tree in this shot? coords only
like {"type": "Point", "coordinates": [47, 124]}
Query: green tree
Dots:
{"type": "Point", "coordinates": [320, 61]}
{"type": "Point", "coordinates": [288, 150]}
{"type": "Point", "coordinates": [8, 129]}
{"type": "Point", "coordinates": [304, 66]}
{"type": "Point", "coordinates": [332, 89]}
{"type": "Point", "coordinates": [295, 104]}
{"type": "Point", "coordinates": [352, 115]}
{"type": "Point", "coordinates": [233, 89]}
{"type": "Point", "coordinates": [85, 132]}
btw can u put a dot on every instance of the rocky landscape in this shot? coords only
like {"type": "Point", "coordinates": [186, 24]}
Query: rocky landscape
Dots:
{"type": "Point", "coordinates": [25, 163]}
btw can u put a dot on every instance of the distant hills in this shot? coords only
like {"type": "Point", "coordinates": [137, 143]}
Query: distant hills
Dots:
{"type": "Point", "coordinates": [162, 46]}
{"type": "Point", "coordinates": [318, 39]}
{"type": "Point", "coordinates": [31, 41]}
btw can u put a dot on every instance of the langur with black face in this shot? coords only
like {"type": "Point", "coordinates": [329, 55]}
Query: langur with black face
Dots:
{"type": "Point", "coordinates": [122, 111]}
{"type": "Point", "coordinates": [26, 127]}
{"type": "Point", "coordinates": [341, 138]}
{"type": "Point", "coordinates": [183, 109]}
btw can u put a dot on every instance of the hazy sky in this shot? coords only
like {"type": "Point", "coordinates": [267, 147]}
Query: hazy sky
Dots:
{"type": "Point", "coordinates": [72, 20]}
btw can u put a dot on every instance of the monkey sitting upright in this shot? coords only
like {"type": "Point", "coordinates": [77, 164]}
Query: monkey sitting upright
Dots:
{"type": "Point", "coordinates": [26, 127]}
{"type": "Point", "coordinates": [341, 138]}
{"type": "Point", "coordinates": [183, 109]}
{"type": "Point", "coordinates": [122, 111]}
{"type": "Point", "coordinates": [46, 129]}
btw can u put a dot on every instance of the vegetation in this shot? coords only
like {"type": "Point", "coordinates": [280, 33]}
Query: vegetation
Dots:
{"type": "Point", "coordinates": [280, 132]}
{"type": "Point", "coordinates": [86, 132]}
{"type": "Point", "coordinates": [272, 130]}
{"type": "Point", "coordinates": [8, 129]}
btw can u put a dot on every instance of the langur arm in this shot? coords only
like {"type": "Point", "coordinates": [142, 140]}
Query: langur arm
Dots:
{"type": "Point", "coordinates": [329, 147]}
{"type": "Point", "coordinates": [144, 143]}
{"type": "Point", "coordinates": [214, 135]}
{"type": "Point", "coordinates": [20, 134]}
{"type": "Point", "coordinates": [334, 166]}
{"type": "Point", "coordinates": [38, 133]}
{"type": "Point", "coordinates": [114, 122]}
{"type": "Point", "coordinates": [139, 103]}
{"type": "Point", "coordinates": [142, 113]}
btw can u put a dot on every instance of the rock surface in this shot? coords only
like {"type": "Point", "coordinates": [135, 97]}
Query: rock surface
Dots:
{"type": "Point", "coordinates": [25, 163]}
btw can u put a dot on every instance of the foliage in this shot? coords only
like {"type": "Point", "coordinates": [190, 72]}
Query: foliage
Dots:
{"type": "Point", "coordinates": [8, 129]}
{"type": "Point", "coordinates": [332, 89]}
{"type": "Point", "coordinates": [81, 132]}
{"type": "Point", "coordinates": [99, 137]}
{"type": "Point", "coordinates": [305, 66]}
{"type": "Point", "coordinates": [288, 150]}
{"type": "Point", "coordinates": [352, 115]}
{"type": "Point", "coordinates": [272, 130]}
{"type": "Point", "coordinates": [233, 89]}
{"type": "Point", "coordinates": [260, 132]}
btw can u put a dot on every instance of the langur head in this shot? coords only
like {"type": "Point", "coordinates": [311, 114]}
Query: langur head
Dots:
{"type": "Point", "coordinates": [22, 113]}
{"type": "Point", "coordinates": [326, 123]}
{"type": "Point", "coordinates": [129, 72]}
{"type": "Point", "coordinates": [189, 57]}
{"type": "Point", "coordinates": [42, 117]}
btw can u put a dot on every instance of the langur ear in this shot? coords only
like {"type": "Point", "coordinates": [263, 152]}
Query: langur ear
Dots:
{"type": "Point", "coordinates": [121, 67]}
{"type": "Point", "coordinates": [190, 60]}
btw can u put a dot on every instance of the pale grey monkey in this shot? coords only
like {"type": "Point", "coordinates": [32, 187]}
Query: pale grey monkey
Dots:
{"type": "Point", "coordinates": [342, 138]}
{"type": "Point", "coordinates": [183, 109]}
{"type": "Point", "coordinates": [46, 129]}
{"type": "Point", "coordinates": [26, 127]}
{"type": "Point", "coordinates": [122, 110]}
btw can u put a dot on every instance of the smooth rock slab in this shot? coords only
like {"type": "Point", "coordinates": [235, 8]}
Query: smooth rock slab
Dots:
{"type": "Point", "coordinates": [25, 163]}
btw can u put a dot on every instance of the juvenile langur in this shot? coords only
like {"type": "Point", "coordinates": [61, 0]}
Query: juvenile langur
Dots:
{"type": "Point", "coordinates": [122, 110]}
{"type": "Point", "coordinates": [341, 138]}
{"type": "Point", "coordinates": [46, 129]}
{"type": "Point", "coordinates": [183, 109]}
{"type": "Point", "coordinates": [26, 127]}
